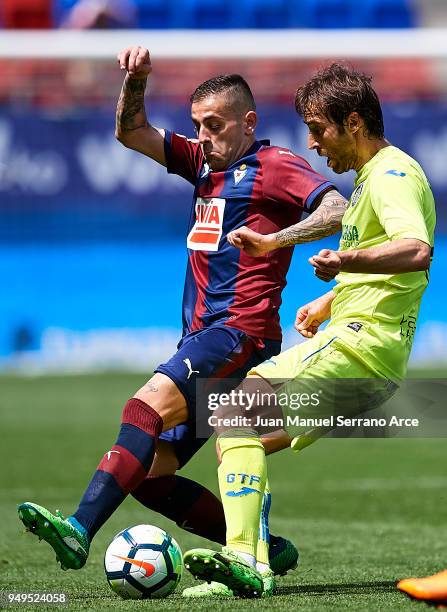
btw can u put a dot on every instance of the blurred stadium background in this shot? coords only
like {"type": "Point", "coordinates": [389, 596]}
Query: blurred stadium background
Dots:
{"type": "Point", "coordinates": [92, 236]}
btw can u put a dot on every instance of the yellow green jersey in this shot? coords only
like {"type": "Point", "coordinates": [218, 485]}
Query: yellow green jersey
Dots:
{"type": "Point", "coordinates": [392, 199]}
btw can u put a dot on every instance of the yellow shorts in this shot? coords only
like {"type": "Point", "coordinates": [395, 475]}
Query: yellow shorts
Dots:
{"type": "Point", "coordinates": [320, 380]}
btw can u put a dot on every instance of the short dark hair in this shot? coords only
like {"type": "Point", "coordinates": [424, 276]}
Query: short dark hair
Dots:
{"type": "Point", "coordinates": [338, 90]}
{"type": "Point", "coordinates": [232, 85]}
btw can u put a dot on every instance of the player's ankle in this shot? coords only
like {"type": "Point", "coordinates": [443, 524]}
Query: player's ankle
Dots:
{"type": "Point", "coordinates": [262, 567]}
{"type": "Point", "coordinates": [77, 525]}
{"type": "Point", "coordinates": [247, 557]}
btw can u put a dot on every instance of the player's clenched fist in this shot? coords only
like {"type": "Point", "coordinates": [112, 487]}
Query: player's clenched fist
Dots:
{"type": "Point", "coordinates": [137, 62]}
{"type": "Point", "coordinates": [251, 242]}
{"type": "Point", "coordinates": [310, 316]}
{"type": "Point", "coordinates": [327, 264]}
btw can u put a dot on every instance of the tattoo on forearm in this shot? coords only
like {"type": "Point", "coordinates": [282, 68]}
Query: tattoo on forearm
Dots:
{"type": "Point", "coordinates": [325, 221]}
{"type": "Point", "coordinates": [130, 111]}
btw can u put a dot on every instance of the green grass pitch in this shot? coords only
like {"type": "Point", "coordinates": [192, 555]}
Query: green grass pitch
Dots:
{"type": "Point", "coordinates": [363, 513]}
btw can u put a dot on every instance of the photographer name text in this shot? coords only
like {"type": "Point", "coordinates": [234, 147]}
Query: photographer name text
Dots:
{"type": "Point", "coordinates": [296, 421]}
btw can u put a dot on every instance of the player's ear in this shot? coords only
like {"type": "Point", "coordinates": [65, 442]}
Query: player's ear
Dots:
{"type": "Point", "coordinates": [250, 123]}
{"type": "Point", "coordinates": [354, 122]}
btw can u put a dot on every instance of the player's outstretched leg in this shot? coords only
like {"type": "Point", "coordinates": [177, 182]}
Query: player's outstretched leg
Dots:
{"type": "Point", "coordinates": [120, 471]}
{"type": "Point", "coordinates": [432, 588]}
{"type": "Point", "coordinates": [242, 476]}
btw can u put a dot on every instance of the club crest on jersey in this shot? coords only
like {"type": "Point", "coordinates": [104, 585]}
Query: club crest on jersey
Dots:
{"type": "Point", "coordinates": [205, 170]}
{"type": "Point", "coordinates": [240, 173]}
{"type": "Point", "coordinates": [356, 195]}
{"type": "Point", "coordinates": [207, 230]}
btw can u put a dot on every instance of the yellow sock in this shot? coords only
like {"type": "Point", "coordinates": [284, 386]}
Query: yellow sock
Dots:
{"type": "Point", "coordinates": [262, 551]}
{"type": "Point", "coordinates": [242, 475]}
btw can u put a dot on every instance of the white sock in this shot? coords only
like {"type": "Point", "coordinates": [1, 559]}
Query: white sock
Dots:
{"type": "Point", "coordinates": [250, 559]}
{"type": "Point", "coordinates": [262, 567]}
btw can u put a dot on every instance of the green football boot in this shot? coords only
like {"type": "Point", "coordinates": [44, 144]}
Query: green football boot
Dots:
{"type": "Point", "coordinates": [69, 543]}
{"type": "Point", "coordinates": [226, 567]}
{"type": "Point", "coordinates": [219, 590]}
{"type": "Point", "coordinates": [283, 556]}
{"type": "Point", "coordinates": [208, 590]}
{"type": "Point", "coordinates": [269, 583]}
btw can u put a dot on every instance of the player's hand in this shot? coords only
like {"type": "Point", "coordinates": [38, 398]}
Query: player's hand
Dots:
{"type": "Point", "coordinates": [310, 316]}
{"type": "Point", "coordinates": [251, 242]}
{"type": "Point", "coordinates": [137, 62]}
{"type": "Point", "coordinates": [327, 264]}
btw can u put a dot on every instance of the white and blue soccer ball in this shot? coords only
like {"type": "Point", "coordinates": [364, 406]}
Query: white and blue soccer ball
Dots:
{"type": "Point", "coordinates": [143, 561]}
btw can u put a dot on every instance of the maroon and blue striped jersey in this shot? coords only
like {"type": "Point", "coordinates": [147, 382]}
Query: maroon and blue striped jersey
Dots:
{"type": "Point", "coordinates": [267, 189]}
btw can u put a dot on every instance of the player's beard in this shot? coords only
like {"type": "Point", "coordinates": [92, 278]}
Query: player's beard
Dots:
{"type": "Point", "coordinates": [336, 166]}
{"type": "Point", "coordinates": [340, 164]}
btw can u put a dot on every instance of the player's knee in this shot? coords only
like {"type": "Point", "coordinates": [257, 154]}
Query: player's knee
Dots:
{"type": "Point", "coordinates": [163, 396]}
{"type": "Point", "coordinates": [275, 441]}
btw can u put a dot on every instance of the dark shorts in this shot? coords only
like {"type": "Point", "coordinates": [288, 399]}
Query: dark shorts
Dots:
{"type": "Point", "coordinates": [215, 352]}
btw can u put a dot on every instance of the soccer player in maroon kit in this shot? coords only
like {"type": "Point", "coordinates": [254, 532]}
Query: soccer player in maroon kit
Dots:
{"type": "Point", "coordinates": [230, 304]}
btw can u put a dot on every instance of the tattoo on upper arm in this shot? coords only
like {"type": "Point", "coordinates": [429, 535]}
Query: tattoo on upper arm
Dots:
{"type": "Point", "coordinates": [130, 111]}
{"type": "Point", "coordinates": [325, 221]}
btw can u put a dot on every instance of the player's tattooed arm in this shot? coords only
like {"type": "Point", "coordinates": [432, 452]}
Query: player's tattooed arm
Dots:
{"type": "Point", "coordinates": [324, 221]}
{"type": "Point", "coordinates": [130, 111]}
{"type": "Point", "coordinates": [132, 127]}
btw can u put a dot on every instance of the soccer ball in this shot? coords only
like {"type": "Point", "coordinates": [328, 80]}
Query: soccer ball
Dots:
{"type": "Point", "coordinates": [143, 561]}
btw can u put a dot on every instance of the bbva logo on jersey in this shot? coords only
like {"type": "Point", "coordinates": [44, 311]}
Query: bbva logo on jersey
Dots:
{"type": "Point", "coordinates": [207, 230]}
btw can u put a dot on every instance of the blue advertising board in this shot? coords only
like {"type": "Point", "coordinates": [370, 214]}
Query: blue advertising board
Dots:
{"type": "Point", "coordinates": [85, 223]}
{"type": "Point", "coordinates": [66, 178]}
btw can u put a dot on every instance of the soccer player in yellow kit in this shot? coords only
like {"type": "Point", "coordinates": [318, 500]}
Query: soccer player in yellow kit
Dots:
{"type": "Point", "coordinates": [381, 270]}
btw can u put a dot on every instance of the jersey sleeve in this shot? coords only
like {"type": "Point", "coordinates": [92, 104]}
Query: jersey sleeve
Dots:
{"type": "Point", "coordinates": [398, 201]}
{"type": "Point", "coordinates": [183, 156]}
{"type": "Point", "coordinates": [291, 179]}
